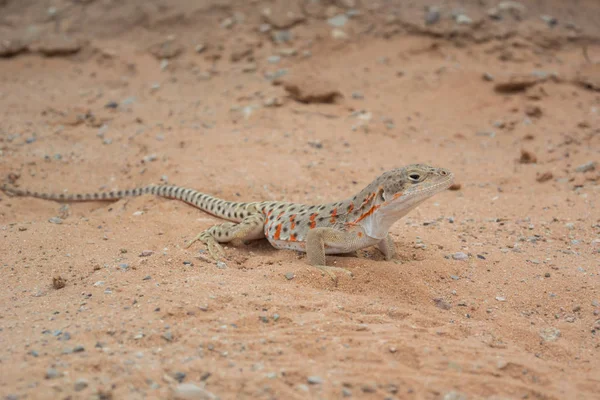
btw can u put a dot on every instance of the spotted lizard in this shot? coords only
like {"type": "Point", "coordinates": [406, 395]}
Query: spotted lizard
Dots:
{"type": "Point", "coordinates": [345, 226]}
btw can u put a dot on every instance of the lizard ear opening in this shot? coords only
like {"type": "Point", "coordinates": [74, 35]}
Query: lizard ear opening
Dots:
{"type": "Point", "coordinates": [384, 196]}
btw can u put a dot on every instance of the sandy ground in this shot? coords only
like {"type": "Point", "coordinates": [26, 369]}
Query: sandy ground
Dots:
{"type": "Point", "coordinates": [494, 293]}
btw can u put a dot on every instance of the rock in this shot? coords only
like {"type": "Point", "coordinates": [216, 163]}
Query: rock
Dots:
{"type": "Point", "coordinates": [513, 8]}
{"type": "Point", "coordinates": [517, 83]}
{"type": "Point", "coordinates": [189, 391]}
{"type": "Point", "coordinates": [588, 76]}
{"type": "Point", "coordinates": [289, 276]}
{"type": "Point", "coordinates": [549, 20]}
{"type": "Point", "coordinates": [463, 19]}
{"type": "Point", "coordinates": [527, 157]}
{"type": "Point", "coordinates": [533, 111]}
{"type": "Point", "coordinates": [58, 282]}
{"type": "Point", "coordinates": [338, 21]}
{"type": "Point", "coordinates": [80, 384]}
{"type": "Point", "coordinates": [57, 45]}
{"type": "Point", "coordinates": [441, 303]}
{"type": "Point", "coordinates": [494, 13]}
{"type": "Point", "coordinates": [455, 186]}
{"type": "Point", "coordinates": [221, 265]}
{"type": "Point", "coordinates": [488, 77]}
{"type": "Point", "coordinates": [282, 36]}
{"type": "Point", "coordinates": [588, 166]}
{"type": "Point", "coordinates": [338, 34]}
{"type": "Point", "coordinates": [283, 14]}
{"type": "Point", "coordinates": [52, 373]}
{"type": "Point", "coordinates": [241, 51]}
{"type": "Point", "coordinates": [179, 376]}
{"type": "Point", "coordinates": [12, 47]}
{"type": "Point", "coordinates": [544, 177]}
{"type": "Point", "coordinates": [55, 220]}
{"type": "Point", "coordinates": [273, 59]}
{"type": "Point", "coordinates": [314, 380]}
{"type": "Point", "coordinates": [460, 256]}
{"type": "Point", "coordinates": [432, 16]}
{"type": "Point", "coordinates": [166, 50]}
{"type": "Point", "coordinates": [310, 88]}
{"type": "Point", "coordinates": [347, 3]}
{"type": "Point", "coordinates": [146, 253]}
{"type": "Point", "coordinates": [454, 396]}
{"type": "Point", "coordinates": [550, 334]}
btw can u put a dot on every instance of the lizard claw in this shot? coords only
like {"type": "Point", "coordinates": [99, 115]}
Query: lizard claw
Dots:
{"type": "Point", "coordinates": [331, 272]}
{"type": "Point", "coordinates": [214, 248]}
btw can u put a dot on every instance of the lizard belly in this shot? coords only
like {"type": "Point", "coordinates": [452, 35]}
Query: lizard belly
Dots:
{"type": "Point", "coordinates": [288, 245]}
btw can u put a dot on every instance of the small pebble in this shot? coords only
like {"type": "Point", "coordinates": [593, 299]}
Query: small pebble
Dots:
{"type": "Point", "coordinates": [589, 166]}
{"type": "Point", "coordinates": [550, 334]}
{"type": "Point", "coordinates": [273, 59]}
{"type": "Point", "coordinates": [221, 265]}
{"type": "Point", "coordinates": [55, 220]}
{"type": "Point", "coordinates": [441, 303]}
{"type": "Point", "coordinates": [463, 19]}
{"type": "Point", "coordinates": [289, 276]}
{"type": "Point", "coordinates": [315, 380]}
{"type": "Point", "coordinates": [168, 336]}
{"type": "Point", "coordinates": [189, 391]}
{"type": "Point", "coordinates": [460, 256]}
{"type": "Point", "coordinates": [80, 384]}
{"type": "Point", "coordinates": [179, 376]}
{"type": "Point", "coordinates": [432, 16]}
{"type": "Point", "coordinates": [52, 373]}
{"type": "Point", "coordinates": [338, 21]}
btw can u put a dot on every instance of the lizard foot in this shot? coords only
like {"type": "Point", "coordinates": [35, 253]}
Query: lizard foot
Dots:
{"type": "Point", "coordinates": [214, 248]}
{"type": "Point", "coordinates": [332, 270]}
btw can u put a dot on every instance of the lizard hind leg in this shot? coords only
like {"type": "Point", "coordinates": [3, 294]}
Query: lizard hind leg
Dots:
{"type": "Point", "coordinates": [250, 228]}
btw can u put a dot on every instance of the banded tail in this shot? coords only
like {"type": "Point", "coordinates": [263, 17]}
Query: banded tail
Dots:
{"type": "Point", "coordinates": [229, 210]}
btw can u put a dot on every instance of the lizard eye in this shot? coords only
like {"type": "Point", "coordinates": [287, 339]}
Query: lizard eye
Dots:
{"type": "Point", "coordinates": [414, 177]}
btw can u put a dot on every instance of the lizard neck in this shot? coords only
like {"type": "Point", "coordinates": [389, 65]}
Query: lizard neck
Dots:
{"type": "Point", "coordinates": [378, 224]}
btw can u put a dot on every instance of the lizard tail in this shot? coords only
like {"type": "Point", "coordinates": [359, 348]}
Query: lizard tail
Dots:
{"type": "Point", "coordinates": [229, 210]}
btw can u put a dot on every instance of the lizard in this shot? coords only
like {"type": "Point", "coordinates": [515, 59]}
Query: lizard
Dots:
{"type": "Point", "coordinates": [344, 226]}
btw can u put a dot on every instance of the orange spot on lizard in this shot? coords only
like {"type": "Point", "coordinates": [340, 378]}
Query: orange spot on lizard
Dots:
{"type": "Point", "coordinates": [333, 216]}
{"type": "Point", "coordinates": [313, 223]}
{"type": "Point", "coordinates": [293, 237]}
{"type": "Point", "coordinates": [365, 215]}
{"type": "Point", "coordinates": [277, 232]}
{"type": "Point", "coordinates": [292, 221]}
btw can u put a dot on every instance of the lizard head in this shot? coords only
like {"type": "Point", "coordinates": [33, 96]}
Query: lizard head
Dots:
{"type": "Point", "coordinates": [403, 189]}
{"type": "Point", "coordinates": [395, 193]}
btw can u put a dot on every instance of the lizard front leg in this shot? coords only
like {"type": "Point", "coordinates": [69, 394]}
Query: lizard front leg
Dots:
{"type": "Point", "coordinates": [387, 247]}
{"type": "Point", "coordinates": [318, 238]}
{"type": "Point", "coordinates": [250, 228]}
